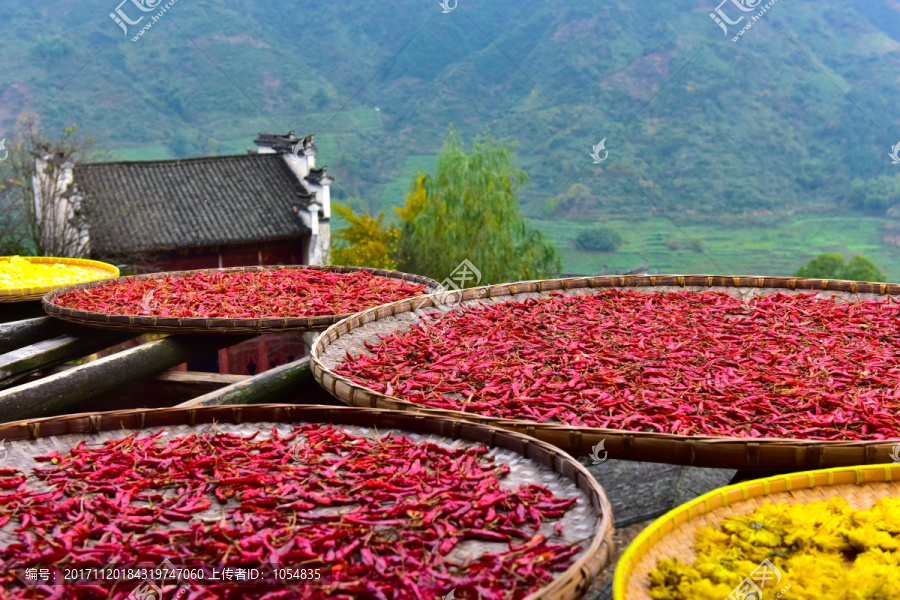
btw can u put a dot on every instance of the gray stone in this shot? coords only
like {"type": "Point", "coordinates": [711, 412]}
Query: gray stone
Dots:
{"type": "Point", "coordinates": [640, 492]}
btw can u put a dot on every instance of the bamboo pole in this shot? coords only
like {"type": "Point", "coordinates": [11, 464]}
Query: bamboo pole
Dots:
{"type": "Point", "coordinates": [65, 392]}
{"type": "Point", "coordinates": [45, 353]}
{"type": "Point", "coordinates": [17, 334]}
{"type": "Point", "coordinates": [286, 382]}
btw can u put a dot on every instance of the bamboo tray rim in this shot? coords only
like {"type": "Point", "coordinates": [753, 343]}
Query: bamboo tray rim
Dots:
{"type": "Point", "coordinates": [24, 294]}
{"type": "Point", "coordinates": [593, 562]}
{"type": "Point", "coordinates": [577, 439]}
{"type": "Point", "coordinates": [735, 494]}
{"type": "Point", "coordinates": [219, 325]}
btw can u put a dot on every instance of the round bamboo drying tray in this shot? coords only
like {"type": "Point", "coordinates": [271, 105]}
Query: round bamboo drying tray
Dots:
{"type": "Point", "coordinates": [673, 534]}
{"type": "Point", "coordinates": [104, 271]}
{"type": "Point", "coordinates": [719, 452]}
{"type": "Point", "coordinates": [531, 461]}
{"type": "Point", "coordinates": [151, 324]}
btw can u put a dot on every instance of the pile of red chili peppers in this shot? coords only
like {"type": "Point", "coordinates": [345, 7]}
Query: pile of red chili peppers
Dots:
{"type": "Point", "coordinates": [707, 364]}
{"type": "Point", "coordinates": [386, 513]}
{"type": "Point", "coordinates": [244, 295]}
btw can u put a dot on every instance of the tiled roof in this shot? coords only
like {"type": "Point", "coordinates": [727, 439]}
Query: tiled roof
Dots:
{"type": "Point", "coordinates": [319, 176]}
{"type": "Point", "coordinates": [287, 144]}
{"type": "Point", "coordinates": [171, 204]}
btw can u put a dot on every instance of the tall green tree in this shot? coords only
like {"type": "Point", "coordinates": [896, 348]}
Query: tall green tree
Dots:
{"type": "Point", "coordinates": [832, 266]}
{"type": "Point", "coordinates": [469, 209]}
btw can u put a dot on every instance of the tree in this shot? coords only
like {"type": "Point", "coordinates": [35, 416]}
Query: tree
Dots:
{"type": "Point", "coordinates": [599, 239]}
{"type": "Point", "coordinates": [861, 268]}
{"type": "Point", "coordinates": [831, 266]}
{"type": "Point", "coordinates": [577, 195]}
{"type": "Point", "coordinates": [365, 241]}
{"type": "Point", "coordinates": [469, 209]}
{"type": "Point", "coordinates": [49, 211]}
{"type": "Point", "coordinates": [882, 193]}
{"type": "Point", "coordinates": [12, 224]}
{"type": "Point", "coordinates": [320, 99]}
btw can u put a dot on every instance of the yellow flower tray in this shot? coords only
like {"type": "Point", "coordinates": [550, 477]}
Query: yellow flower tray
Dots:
{"type": "Point", "coordinates": [673, 534]}
{"type": "Point", "coordinates": [23, 294]}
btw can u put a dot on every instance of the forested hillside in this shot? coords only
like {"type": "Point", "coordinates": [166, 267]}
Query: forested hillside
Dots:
{"type": "Point", "coordinates": [767, 136]}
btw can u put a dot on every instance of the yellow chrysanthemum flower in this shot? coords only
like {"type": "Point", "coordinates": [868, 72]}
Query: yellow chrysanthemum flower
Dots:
{"type": "Point", "coordinates": [815, 551]}
{"type": "Point", "coordinates": [16, 272]}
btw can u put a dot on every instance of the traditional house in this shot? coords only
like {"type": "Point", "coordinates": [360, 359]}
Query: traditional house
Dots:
{"type": "Point", "coordinates": [267, 207]}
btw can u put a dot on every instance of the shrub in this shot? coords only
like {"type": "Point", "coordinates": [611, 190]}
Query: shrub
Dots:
{"type": "Point", "coordinates": [599, 239]}
{"type": "Point", "coordinates": [831, 266]}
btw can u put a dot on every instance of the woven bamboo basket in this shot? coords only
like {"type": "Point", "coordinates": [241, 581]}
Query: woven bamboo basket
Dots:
{"type": "Point", "coordinates": [590, 523]}
{"type": "Point", "coordinates": [673, 534]}
{"type": "Point", "coordinates": [720, 452]}
{"type": "Point", "coordinates": [151, 324]}
{"type": "Point", "coordinates": [103, 270]}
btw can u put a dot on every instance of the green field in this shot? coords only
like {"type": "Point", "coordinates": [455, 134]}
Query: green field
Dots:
{"type": "Point", "coordinates": [154, 152]}
{"type": "Point", "coordinates": [770, 249]}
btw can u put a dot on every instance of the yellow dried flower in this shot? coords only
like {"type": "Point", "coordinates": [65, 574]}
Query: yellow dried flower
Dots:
{"type": "Point", "coordinates": [17, 272]}
{"type": "Point", "coordinates": [819, 550]}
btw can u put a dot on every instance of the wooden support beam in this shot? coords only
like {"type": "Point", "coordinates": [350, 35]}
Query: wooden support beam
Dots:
{"type": "Point", "coordinates": [16, 363]}
{"type": "Point", "coordinates": [200, 378]}
{"type": "Point", "coordinates": [67, 391]}
{"type": "Point", "coordinates": [162, 391]}
{"type": "Point", "coordinates": [291, 382]}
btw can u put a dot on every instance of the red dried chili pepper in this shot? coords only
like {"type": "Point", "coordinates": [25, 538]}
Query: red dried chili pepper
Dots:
{"type": "Point", "coordinates": [404, 506]}
{"type": "Point", "coordinates": [687, 363]}
{"type": "Point", "coordinates": [243, 295]}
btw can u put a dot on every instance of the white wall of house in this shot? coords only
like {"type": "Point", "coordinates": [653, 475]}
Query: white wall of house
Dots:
{"type": "Point", "coordinates": [323, 195]}
{"type": "Point", "coordinates": [319, 244]}
{"type": "Point", "coordinates": [298, 164]}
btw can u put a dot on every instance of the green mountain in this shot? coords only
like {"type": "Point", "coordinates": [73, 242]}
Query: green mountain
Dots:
{"type": "Point", "coordinates": [748, 148]}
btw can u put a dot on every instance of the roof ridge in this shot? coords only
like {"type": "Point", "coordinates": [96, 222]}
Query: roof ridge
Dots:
{"type": "Point", "coordinates": [266, 156]}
